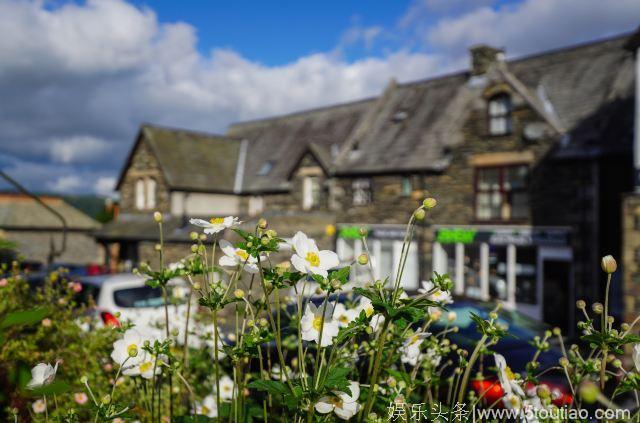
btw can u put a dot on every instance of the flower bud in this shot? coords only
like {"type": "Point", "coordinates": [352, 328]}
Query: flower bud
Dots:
{"type": "Point", "coordinates": [335, 284]}
{"type": "Point", "coordinates": [194, 248]}
{"type": "Point", "coordinates": [106, 399]}
{"type": "Point", "coordinates": [608, 264]}
{"type": "Point", "coordinates": [271, 233]}
{"type": "Point", "coordinates": [264, 240]}
{"type": "Point", "coordinates": [597, 308]}
{"type": "Point", "coordinates": [564, 362]}
{"type": "Point", "coordinates": [452, 316]}
{"type": "Point", "coordinates": [157, 216]}
{"type": "Point", "coordinates": [588, 391]}
{"type": "Point", "coordinates": [616, 363]}
{"type": "Point", "coordinates": [132, 350]}
{"type": "Point", "coordinates": [435, 315]}
{"type": "Point", "coordinates": [363, 231]}
{"type": "Point", "coordinates": [197, 286]}
{"type": "Point", "coordinates": [493, 315]}
{"type": "Point", "coordinates": [557, 331]}
{"type": "Point", "coordinates": [262, 224]}
{"type": "Point", "coordinates": [263, 322]}
{"type": "Point", "coordinates": [203, 237]}
{"type": "Point", "coordinates": [294, 362]}
{"type": "Point", "coordinates": [363, 259]}
{"type": "Point", "coordinates": [84, 380]}
{"type": "Point", "coordinates": [543, 391]}
{"type": "Point", "coordinates": [419, 214]}
{"type": "Point", "coordinates": [429, 203]}
{"type": "Point", "coordinates": [625, 327]}
{"type": "Point", "coordinates": [238, 293]}
{"type": "Point", "coordinates": [391, 382]}
{"type": "Point", "coordinates": [232, 337]}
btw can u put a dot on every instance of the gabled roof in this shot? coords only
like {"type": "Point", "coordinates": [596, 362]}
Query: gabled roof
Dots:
{"type": "Point", "coordinates": [283, 139]}
{"type": "Point", "coordinates": [18, 211]}
{"type": "Point", "coordinates": [190, 160]}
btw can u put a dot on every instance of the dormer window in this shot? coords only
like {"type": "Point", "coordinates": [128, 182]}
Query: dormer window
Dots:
{"type": "Point", "coordinates": [500, 114]}
{"type": "Point", "coordinates": [310, 192]}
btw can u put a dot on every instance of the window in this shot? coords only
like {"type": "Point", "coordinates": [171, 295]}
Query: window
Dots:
{"type": "Point", "coordinates": [500, 115]}
{"type": "Point", "coordinates": [266, 168]}
{"type": "Point", "coordinates": [140, 200]}
{"type": "Point", "coordinates": [406, 186]}
{"type": "Point", "coordinates": [256, 205]}
{"type": "Point", "coordinates": [501, 193]}
{"type": "Point", "coordinates": [361, 192]}
{"type": "Point", "coordinates": [145, 193]}
{"type": "Point", "coordinates": [526, 278]}
{"type": "Point", "coordinates": [310, 192]}
{"type": "Point", "coordinates": [151, 193]}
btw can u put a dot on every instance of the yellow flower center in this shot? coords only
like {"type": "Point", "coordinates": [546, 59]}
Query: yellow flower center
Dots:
{"type": "Point", "coordinates": [242, 254]}
{"type": "Point", "coordinates": [414, 339]}
{"type": "Point", "coordinates": [216, 220]}
{"type": "Point", "coordinates": [337, 402]}
{"type": "Point", "coordinates": [368, 311]}
{"type": "Point", "coordinates": [205, 410]}
{"type": "Point", "coordinates": [313, 259]}
{"type": "Point", "coordinates": [226, 388]}
{"type": "Point", "coordinates": [317, 323]}
{"type": "Point", "coordinates": [343, 319]}
{"type": "Point", "coordinates": [146, 366]}
{"type": "Point", "coordinates": [509, 373]}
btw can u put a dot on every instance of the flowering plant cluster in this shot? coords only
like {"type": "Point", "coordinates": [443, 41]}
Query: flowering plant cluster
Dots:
{"type": "Point", "coordinates": [278, 330]}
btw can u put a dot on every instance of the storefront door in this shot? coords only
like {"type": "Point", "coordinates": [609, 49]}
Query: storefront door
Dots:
{"type": "Point", "coordinates": [556, 286]}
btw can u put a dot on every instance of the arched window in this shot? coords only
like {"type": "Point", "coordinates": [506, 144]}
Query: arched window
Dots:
{"type": "Point", "coordinates": [139, 194]}
{"type": "Point", "coordinates": [151, 193]}
{"type": "Point", "coordinates": [500, 114]}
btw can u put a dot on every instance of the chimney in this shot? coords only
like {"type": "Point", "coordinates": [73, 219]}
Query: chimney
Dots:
{"type": "Point", "coordinates": [633, 44]}
{"type": "Point", "coordinates": [483, 56]}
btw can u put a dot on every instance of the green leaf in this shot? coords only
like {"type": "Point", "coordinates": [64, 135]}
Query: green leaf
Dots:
{"type": "Point", "coordinates": [193, 419]}
{"type": "Point", "coordinates": [55, 387]}
{"type": "Point", "coordinates": [26, 317]}
{"type": "Point", "coordinates": [273, 387]}
{"type": "Point", "coordinates": [337, 379]}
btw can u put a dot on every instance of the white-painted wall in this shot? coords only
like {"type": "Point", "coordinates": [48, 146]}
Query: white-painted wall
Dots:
{"type": "Point", "coordinates": [201, 204]}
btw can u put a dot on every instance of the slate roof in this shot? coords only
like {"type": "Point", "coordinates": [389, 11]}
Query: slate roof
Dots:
{"type": "Point", "coordinates": [21, 212]}
{"type": "Point", "coordinates": [284, 139]}
{"type": "Point", "coordinates": [584, 92]}
{"type": "Point", "coordinates": [190, 160]}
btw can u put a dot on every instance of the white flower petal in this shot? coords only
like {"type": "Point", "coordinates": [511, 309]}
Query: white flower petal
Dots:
{"type": "Point", "coordinates": [324, 405]}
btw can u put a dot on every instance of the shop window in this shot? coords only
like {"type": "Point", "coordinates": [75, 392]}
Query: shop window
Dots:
{"type": "Point", "coordinates": [500, 115]}
{"type": "Point", "coordinates": [501, 193]}
{"type": "Point", "coordinates": [310, 192]}
{"type": "Point", "coordinates": [526, 277]}
{"type": "Point", "coordinates": [498, 272]}
{"type": "Point", "coordinates": [472, 271]}
{"type": "Point", "coordinates": [361, 192]}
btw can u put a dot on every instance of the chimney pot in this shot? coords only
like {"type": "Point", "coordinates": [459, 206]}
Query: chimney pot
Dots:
{"type": "Point", "coordinates": [483, 56]}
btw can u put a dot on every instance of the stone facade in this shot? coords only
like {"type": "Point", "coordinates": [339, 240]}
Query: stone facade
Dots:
{"type": "Point", "coordinates": [143, 165]}
{"type": "Point", "coordinates": [631, 255]}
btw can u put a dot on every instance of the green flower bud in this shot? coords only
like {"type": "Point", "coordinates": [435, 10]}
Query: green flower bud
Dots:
{"type": "Point", "coordinates": [193, 236]}
{"type": "Point", "coordinates": [429, 203]}
{"type": "Point", "coordinates": [363, 259]}
{"type": "Point", "coordinates": [419, 214]}
{"type": "Point", "coordinates": [157, 216]}
{"type": "Point", "coordinates": [597, 308]}
{"type": "Point", "coordinates": [581, 304]}
{"type": "Point", "coordinates": [589, 392]}
{"type": "Point", "coordinates": [262, 224]}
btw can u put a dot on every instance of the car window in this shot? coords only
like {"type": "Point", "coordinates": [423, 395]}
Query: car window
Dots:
{"type": "Point", "coordinates": [143, 296]}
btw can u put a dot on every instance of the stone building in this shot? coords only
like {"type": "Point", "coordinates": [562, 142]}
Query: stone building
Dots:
{"type": "Point", "coordinates": [528, 159]}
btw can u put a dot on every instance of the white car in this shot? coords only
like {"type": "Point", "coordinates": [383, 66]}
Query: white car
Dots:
{"type": "Point", "coordinates": [128, 295]}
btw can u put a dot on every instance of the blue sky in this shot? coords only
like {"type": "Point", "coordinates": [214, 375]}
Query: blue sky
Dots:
{"type": "Point", "coordinates": [77, 78]}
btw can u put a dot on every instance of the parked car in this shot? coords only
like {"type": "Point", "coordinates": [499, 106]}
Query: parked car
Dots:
{"type": "Point", "coordinates": [516, 348]}
{"type": "Point", "coordinates": [127, 294]}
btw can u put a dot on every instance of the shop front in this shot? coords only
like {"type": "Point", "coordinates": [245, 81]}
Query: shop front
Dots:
{"type": "Point", "coordinates": [384, 243]}
{"type": "Point", "coordinates": [528, 268]}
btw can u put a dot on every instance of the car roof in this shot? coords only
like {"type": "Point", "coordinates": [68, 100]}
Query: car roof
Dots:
{"type": "Point", "coordinates": [100, 280]}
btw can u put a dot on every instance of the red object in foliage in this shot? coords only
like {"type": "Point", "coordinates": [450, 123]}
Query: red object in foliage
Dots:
{"type": "Point", "coordinates": [96, 269]}
{"type": "Point", "coordinates": [109, 319]}
{"type": "Point", "coordinates": [491, 391]}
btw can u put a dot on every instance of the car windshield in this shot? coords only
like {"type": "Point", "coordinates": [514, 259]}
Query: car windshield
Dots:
{"type": "Point", "coordinates": [142, 296]}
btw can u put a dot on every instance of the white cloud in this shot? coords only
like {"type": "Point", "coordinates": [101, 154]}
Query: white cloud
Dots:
{"type": "Point", "coordinates": [66, 184]}
{"type": "Point", "coordinates": [534, 25]}
{"type": "Point", "coordinates": [78, 149]}
{"type": "Point", "coordinates": [105, 186]}
{"type": "Point", "coordinates": [77, 80]}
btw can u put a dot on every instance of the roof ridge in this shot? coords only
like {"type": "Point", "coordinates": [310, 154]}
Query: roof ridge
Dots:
{"type": "Point", "coordinates": [151, 126]}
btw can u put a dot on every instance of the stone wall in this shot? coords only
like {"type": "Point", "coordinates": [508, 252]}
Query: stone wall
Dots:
{"type": "Point", "coordinates": [630, 264]}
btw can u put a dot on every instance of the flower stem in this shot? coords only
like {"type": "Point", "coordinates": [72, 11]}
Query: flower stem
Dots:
{"type": "Point", "coordinates": [376, 368]}
{"type": "Point", "coordinates": [467, 371]}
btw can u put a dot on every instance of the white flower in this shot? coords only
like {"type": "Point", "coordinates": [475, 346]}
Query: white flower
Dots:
{"type": "Point", "coordinates": [277, 374]}
{"type": "Point", "coordinates": [129, 353]}
{"type": "Point", "coordinates": [512, 401]}
{"type": "Point", "coordinates": [367, 306]}
{"type": "Point", "coordinates": [636, 356]}
{"type": "Point", "coordinates": [216, 224]}
{"type": "Point", "coordinates": [344, 405]}
{"type": "Point", "coordinates": [208, 407]}
{"type": "Point", "coordinates": [312, 324]}
{"type": "Point", "coordinates": [308, 259]}
{"type": "Point", "coordinates": [507, 378]}
{"type": "Point", "coordinates": [39, 406]}
{"type": "Point", "coordinates": [237, 257]}
{"type": "Point", "coordinates": [148, 365]}
{"type": "Point", "coordinates": [343, 315]}
{"type": "Point", "coordinates": [442, 297]}
{"type": "Point", "coordinates": [41, 375]}
{"type": "Point", "coordinates": [410, 349]}
{"type": "Point", "coordinates": [227, 388]}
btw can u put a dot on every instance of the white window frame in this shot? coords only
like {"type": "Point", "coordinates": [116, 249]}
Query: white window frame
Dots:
{"type": "Point", "coordinates": [499, 113]}
{"type": "Point", "coordinates": [139, 194]}
{"type": "Point", "coordinates": [308, 185]}
{"type": "Point", "coordinates": [150, 195]}
{"type": "Point", "coordinates": [361, 188]}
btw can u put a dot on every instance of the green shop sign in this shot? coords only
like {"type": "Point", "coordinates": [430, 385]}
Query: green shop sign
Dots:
{"type": "Point", "coordinates": [456, 235]}
{"type": "Point", "coordinates": [350, 232]}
